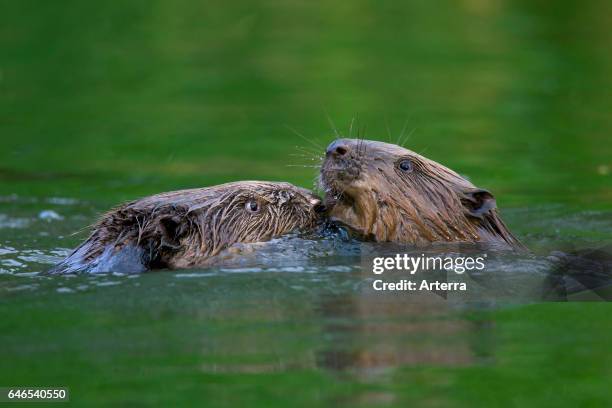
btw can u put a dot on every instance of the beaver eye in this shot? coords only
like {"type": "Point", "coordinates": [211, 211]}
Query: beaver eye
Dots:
{"type": "Point", "coordinates": [405, 165]}
{"type": "Point", "coordinates": [252, 206]}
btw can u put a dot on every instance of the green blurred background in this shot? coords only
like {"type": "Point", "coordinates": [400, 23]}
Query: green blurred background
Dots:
{"type": "Point", "coordinates": [102, 102]}
{"type": "Point", "coordinates": [111, 100]}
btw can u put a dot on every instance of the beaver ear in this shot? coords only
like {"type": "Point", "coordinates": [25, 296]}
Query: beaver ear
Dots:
{"type": "Point", "coordinates": [478, 202]}
{"type": "Point", "coordinates": [173, 228]}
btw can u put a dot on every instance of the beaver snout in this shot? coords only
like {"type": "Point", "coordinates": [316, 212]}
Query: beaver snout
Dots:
{"type": "Point", "coordinates": [337, 148]}
{"type": "Point", "coordinates": [342, 164]}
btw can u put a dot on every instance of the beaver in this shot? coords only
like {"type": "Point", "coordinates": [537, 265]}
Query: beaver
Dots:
{"type": "Point", "coordinates": [387, 193]}
{"type": "Point", "coordinates": [188, 228]}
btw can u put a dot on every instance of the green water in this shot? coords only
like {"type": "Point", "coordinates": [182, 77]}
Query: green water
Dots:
{"type": "Point", "coordinates": [104, 102]}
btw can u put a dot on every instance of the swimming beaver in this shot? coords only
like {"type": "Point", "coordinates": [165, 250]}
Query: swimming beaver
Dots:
{"type": "Point", "coordinates": [187, 228]}
{"type": "Point", "coordinates": [385, 192]}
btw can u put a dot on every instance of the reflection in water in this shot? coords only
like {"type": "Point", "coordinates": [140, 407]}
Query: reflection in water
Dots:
{"type": "Point", "coordinates": [370, 333]}
{"type": "Point", "coordinates": [584, 274]}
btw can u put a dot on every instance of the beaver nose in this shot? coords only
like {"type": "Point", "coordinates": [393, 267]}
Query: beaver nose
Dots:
{"type": "Point", "coordinates": [337, 148]}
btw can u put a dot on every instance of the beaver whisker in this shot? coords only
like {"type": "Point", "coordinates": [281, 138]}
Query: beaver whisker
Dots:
{"type": "Point", "coordinates": [303, 165]}
{"type": "Point", "coordinates": [318, 159]}
{"type": "Point", "coordinates": [389, 137]}
{"type": "Point", "coordinates": [332, 125]}
{"type": "Point", "coordinates": [408, 136]}
{"type": "Point", "coordinates": [311, 142]}
{"type": "Point", "coordinates": [351, 126]}
{"type": "Point", "coordinates": [401, 134]}
{"type": "Point", "coordinates": [301, 155]}
{"type": "Point", "coordinates": [361, 143]}
{"type": "Point", "coordinates": [309, 151]}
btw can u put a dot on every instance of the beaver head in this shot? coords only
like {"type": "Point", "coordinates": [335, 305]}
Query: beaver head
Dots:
{"type": "Point", "coordinates": [186, 228]}
{"type": "Point", "coordinates": [385, 192]}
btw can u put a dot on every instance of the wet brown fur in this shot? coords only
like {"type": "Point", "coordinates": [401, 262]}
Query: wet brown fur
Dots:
{"type": "Point", "coordinates": [186, 228]}
{"type": "Point", "coordinates": [368, 191]}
